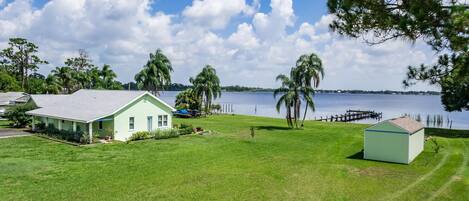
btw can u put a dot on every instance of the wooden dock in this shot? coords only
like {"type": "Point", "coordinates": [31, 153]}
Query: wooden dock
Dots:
{"type": "Point", "coordinates": [352, 115]}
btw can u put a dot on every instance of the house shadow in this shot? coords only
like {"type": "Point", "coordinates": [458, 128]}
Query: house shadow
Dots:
{"type": "Point", "coordinates": [271, 128]}
{"type": "Point", "coordinates": [357, 156]}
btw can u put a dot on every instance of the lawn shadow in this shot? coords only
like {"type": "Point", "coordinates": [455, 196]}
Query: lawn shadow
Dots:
{"type": "Point", "coordinates": [357, 156]}
{"type": "Point", "coordinates": [271, 128]}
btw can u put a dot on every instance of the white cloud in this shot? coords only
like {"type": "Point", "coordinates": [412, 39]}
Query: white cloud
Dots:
{"type": "Point", "coordinates": [215, 13]}
{"type": "Point", "coordinates": [272, 26]}
{"type": "Point", "coordinates": [122, 33]}
{"type": "Point", "coordinates": [244, 37]}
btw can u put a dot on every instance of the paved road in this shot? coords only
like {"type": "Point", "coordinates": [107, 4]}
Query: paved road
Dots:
{"type": "Point", "coordinates": [11, 132]}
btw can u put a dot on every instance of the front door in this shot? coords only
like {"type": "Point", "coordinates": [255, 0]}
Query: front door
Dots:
{"type": "Point", "coordinates": [150, 123]}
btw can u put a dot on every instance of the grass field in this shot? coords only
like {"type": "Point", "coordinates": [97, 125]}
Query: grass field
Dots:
{"type": "Point", "coordinates": [4, 124]}
{"type": "Point", "coordinates": [321, 162]}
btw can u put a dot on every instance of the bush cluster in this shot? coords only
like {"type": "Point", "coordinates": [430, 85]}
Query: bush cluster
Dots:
{"type": "Point", "coordinates": [164, 134]}
{"type": "Point", "coordinates": [17, 115]}
{"type": "Point", "coordinates": [139, 135]}
{"type": "Point", "coordinates": [185, 129]}
{"type": "Point", "coordinates": [78, 136]}
{"type": "Point", "coordinates": [161, 134]}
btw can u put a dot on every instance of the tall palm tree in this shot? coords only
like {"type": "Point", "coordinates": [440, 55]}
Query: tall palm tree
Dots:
{"type": "Point", "coordinates": [107, 76]}
{"type": "Point", "coordinates": [52, 85]}
{"type": "Point", "coordinates": [156, 74]}
{"type": "Point", "coordinates": [207, 86]}
{"type": "Point", "coordinates": [287, 98]}
{"type": "Point", "coordinates": [65, 77]}
{"type": "Point", "coordinates": [310, 72]}
{"type": "Point", "coordinates": [294, 92]}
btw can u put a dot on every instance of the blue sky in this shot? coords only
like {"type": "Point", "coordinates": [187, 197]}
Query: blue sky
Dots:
{"type": "Point", "coordinates": [249, 42]}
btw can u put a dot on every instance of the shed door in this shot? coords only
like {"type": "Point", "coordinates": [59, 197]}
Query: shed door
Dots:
{"type": "Point", "coordinates": [150, 123]}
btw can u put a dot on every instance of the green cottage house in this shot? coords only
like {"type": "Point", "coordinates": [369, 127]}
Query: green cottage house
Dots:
{"type": "Point", "coordinates": [116, 113]}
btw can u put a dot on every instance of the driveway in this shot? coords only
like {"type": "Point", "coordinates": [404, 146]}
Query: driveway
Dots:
{"type": "Point", "coordinates": [11, 132]}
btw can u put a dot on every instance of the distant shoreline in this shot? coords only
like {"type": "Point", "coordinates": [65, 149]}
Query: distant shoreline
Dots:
{"type": "Point", "coordinates": [236, 88]}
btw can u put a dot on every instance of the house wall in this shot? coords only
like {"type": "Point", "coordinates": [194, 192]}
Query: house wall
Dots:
{"type": "Point", "coordinates": [416, 144]}
{"type": "Point", "coordinates": [140, 110]}
{"type": "Point", "coordinates": [382, 146]}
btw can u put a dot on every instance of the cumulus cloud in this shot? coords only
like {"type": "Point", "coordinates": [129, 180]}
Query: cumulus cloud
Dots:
{"type": "Point", "coordinates": [122, 33]}
{"type": "Point", "coordinates": [272, 25]}
{"type": "Point", "coordinates": [215, 13]}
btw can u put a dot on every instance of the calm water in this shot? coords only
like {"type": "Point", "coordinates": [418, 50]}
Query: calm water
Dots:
{"type": "Point", "coordinates": [263, 104]}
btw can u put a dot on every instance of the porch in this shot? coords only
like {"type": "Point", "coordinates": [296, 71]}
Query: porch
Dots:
{"type": "Point", "coordinates": [102, 128]}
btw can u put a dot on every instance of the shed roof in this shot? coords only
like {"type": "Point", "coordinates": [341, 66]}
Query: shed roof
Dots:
{"type": "Point", "coordinates": [86, 105]}
{"type": "Point", "coordinates": [407, 124]}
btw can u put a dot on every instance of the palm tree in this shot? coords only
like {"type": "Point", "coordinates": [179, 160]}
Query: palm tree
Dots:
{"type": "Point", "coordinates": [52, 85]}
{"type": "Point", "coordinates": [65, 77]}
{"type": "Point", "coordinates": [107, 76]}
{"type": "Point", "coordinates": [156, 74]}
{"type": "Point", "coordinates": [187, 99]}
{"type": "Point", "coordinates": [310, 72]}
{"type": "Point", "coordinates": [294, 92]}
{"type": "Point", "coordinates": [287, 98]}
{"type": "Point", "coordinates": [94, 80]}
{"type": "Point", "coordinates": [207, 86]}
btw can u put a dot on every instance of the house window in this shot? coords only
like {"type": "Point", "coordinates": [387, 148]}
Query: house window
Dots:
{"type": "Point", "coordinates": [160, 120]}
{"type": "Point", "coordinates": [63, 121]}
{"type": "Point", "coordinates": [165, 120]}
{"type": "Point", "coordinates": [100, 125]}
{"type": "Point", "coordinates": [131, 123]}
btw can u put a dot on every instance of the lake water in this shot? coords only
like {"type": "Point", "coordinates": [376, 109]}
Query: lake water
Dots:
{"type": "Point", "coordinates": [428, 107]}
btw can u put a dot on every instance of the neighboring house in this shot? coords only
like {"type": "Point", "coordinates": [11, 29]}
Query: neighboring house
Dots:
{"type": "Point", "coordinates": [9, 99]}
{"type": "Point", "coordinates": [398, 140]}
{"type": "Point", "coordinates": [103, 112]}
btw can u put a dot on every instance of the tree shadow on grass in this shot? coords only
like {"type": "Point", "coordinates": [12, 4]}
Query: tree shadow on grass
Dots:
{"type": "Point", "coordinates": [447, 133]}
{"type": "Point", "coordinates": [271, 128]}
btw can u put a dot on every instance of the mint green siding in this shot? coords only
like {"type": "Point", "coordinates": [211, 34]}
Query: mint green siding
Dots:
{"type": "Point", "coordinates": [140, 110]}
{"type": "Point", "coordinates": [107, 129]}
{"type": "Point", "coordinates": [390, 147]}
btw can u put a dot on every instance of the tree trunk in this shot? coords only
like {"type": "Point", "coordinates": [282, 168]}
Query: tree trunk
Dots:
{"type": "Point", "coordinates": [304, 116]}
{"type": "Point", "coordinates": [296, 112]}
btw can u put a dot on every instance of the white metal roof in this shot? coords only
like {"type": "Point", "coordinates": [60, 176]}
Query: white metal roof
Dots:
{"type": "Point", "coordinates": [8, 98]}
{"type": "Point", "coordinates": [44, 100]}
{"type": "Point", "coordinates": [86, 105]}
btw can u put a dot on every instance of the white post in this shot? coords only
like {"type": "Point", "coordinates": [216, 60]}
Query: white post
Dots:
{"type": "Point", "coordinates": [60, 124]}
{"type": "Point", "coordinates": [90, 131]}
{"type": "Point", "coordinates": [47, 122]}
{"type": "Point", "coordinates": [74, 126]}
{"type": "Point", "coordinates": [33, 123]}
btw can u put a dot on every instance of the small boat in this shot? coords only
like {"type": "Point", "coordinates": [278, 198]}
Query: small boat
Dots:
{"type": "Point", "coordinates": [184, 113]}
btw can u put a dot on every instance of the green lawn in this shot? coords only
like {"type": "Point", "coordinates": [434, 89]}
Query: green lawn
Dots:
{"type": "Point", "coordinates": [4, 124]}
{"type": "Point", "coordinates": [317, 163]}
